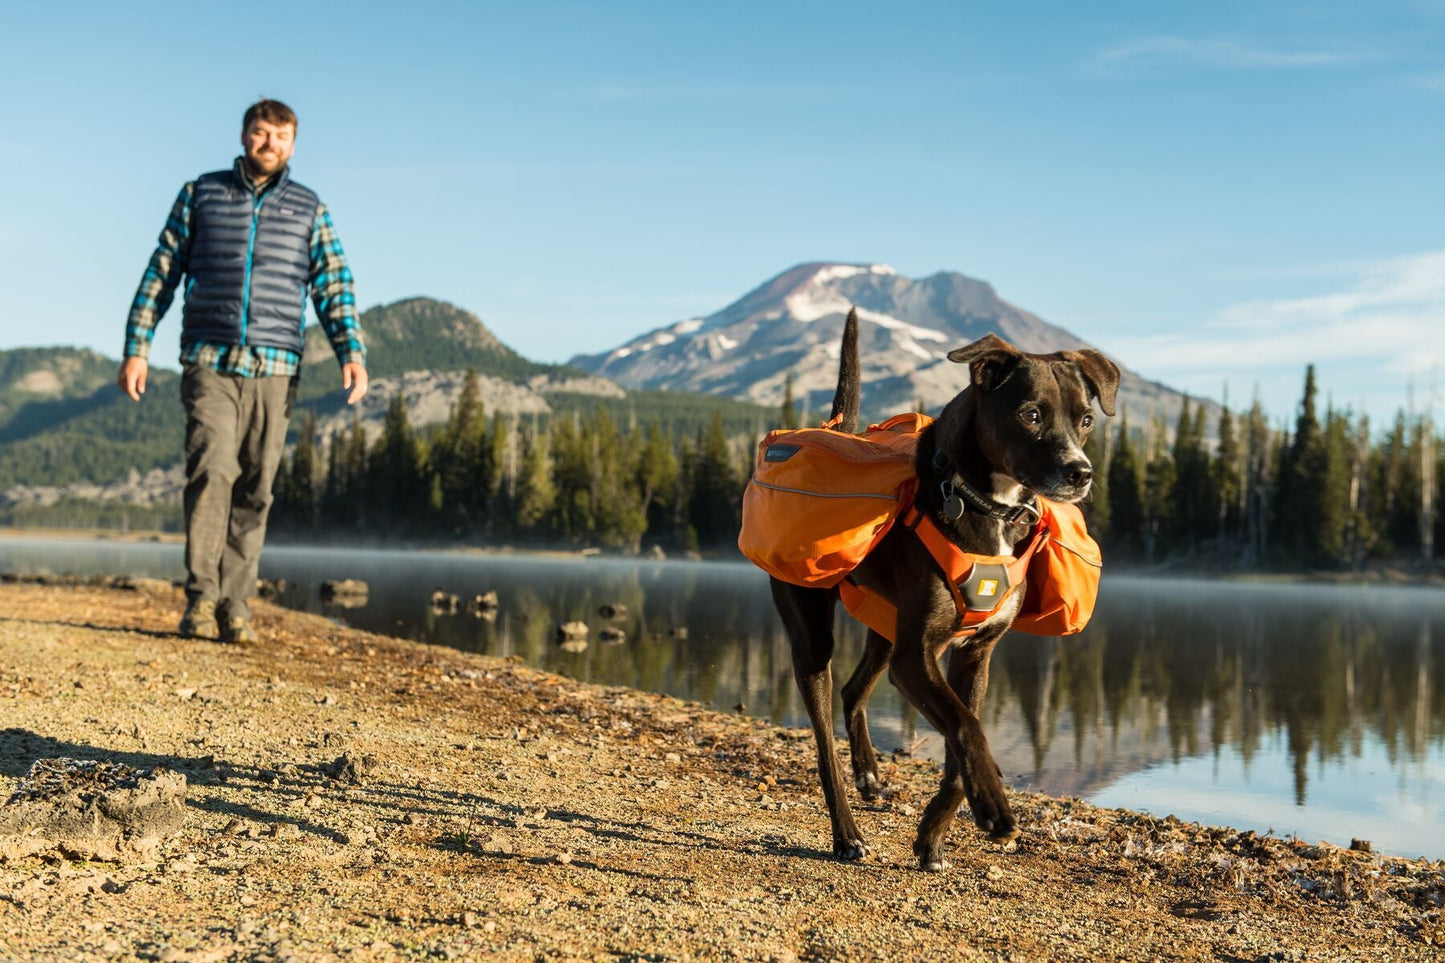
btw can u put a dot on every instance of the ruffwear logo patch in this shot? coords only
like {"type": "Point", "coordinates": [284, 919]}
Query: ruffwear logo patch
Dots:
{"type": "Point", "coordinates": [780, 452]}
{"type": "Point", "coordinates": [988, 587]}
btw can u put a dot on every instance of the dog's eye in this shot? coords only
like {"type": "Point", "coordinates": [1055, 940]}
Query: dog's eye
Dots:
{"type": "Point", "coordinates": [1086, 422]}
{"type": "Point", "coordinates": [1031, 416]}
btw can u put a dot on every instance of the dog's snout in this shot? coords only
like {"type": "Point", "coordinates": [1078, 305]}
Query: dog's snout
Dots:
{"type": "Point", "coordinates": [1079, 474]}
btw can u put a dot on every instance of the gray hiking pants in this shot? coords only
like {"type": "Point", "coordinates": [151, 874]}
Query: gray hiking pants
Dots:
{"type": "Point", "coordinates": [235, 434]}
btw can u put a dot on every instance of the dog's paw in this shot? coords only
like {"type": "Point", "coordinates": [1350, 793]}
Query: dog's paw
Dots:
{"type": "Point", "coordinates": [1002, 829]}
{"type": "Point", "coordinates": [870, 788]}
{"type": "Point", "coordinates": [993, 815]}
{"type": "Point", "coordinates": [930, 857]}
{"type": "Point", "coordinates": [850, 850]}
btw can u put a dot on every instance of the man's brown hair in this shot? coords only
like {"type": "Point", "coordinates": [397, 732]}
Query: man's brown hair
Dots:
{"type": "Point", "coordinates": [271, 111]}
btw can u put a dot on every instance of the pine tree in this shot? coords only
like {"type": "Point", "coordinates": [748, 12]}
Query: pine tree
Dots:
{"type": "Point", "coordinates": [333, 489]}
{"type": "Point", "coordinates": [1428, 490]}
{"type": "Point", "coordinates": [1360, 531]}
{"type": "Point", "coordinates": [1259, 465]}
{"type": "Point", "coordinates": [790, 408]}
{"type": "Point", "coordinates": [301, 495]}
{"type": "Point", "coordinates": [572, 472]}
{"type": "Point", "coordinates": [1225, 472]}
{"type": "Point", "coordinates": [1307, 516]}
{"type": "Point", "coordinates": [1188, 500]}
{"type": "Point", "coordinates": [715, 510]}
{"type": "Point", "coordinates": [536, 491]}
{"type": "Point", "coordinates": [657, 477]}
{"type": "Point", "coordinates": [1096, 509]}
{"type": "Point", "coordinates": [500, 482]}
{"type": "Point", "coordinates": [1159, 479]}
{"type": "Point", "coordinates": [455, 458]}
{"type": "Point", "coordinates": [395, 469]}
{"type": "Point", "coordinates": [1126, 503]}
{"type": "Point", "coordinates": [357, 492]}
{"type": "Point", "coordinates": [618, 512]}
{"type": "Point", "coordinates": [1396, 520]}
{"type": "Point", "coordinates": [1333, 524]}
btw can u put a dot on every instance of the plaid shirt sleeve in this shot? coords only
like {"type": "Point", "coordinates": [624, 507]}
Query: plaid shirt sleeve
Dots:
{"type": "Point", "coordinates": [162, 275]}
{"type": "Point", "coordinates": [331, 291]}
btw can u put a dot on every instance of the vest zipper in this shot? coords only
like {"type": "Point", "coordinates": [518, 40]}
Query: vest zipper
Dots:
{"type": "Point", "coordinates": [250, 255]}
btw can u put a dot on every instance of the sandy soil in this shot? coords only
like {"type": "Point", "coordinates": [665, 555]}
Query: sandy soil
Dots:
{"type": "Point", "coordinates": [503, 812]}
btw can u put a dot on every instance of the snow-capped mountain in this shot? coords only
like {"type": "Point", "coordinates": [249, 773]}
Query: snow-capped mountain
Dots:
{"type": "Point", "coordinates": [792, 324]}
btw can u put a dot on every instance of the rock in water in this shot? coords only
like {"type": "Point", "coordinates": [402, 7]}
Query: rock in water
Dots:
{"type": "Point", "coordinates": [344, 588]}
{"type": "Point", "coordinates": [84, 809]}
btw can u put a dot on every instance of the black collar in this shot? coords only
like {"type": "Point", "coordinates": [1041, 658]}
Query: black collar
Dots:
{"type": "Point", "coordinates": [959, 495]}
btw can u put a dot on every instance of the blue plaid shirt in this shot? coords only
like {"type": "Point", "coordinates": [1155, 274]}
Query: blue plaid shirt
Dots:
{"type": "Point", "coordinates": [331, 293]}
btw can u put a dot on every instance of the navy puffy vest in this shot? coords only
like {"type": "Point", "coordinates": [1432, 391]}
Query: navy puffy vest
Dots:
{"type": "Point", "coordinates": [249, 263]}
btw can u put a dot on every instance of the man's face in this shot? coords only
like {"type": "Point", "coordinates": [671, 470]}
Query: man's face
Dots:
{"type": "Point", "coordinates": [268, 146]}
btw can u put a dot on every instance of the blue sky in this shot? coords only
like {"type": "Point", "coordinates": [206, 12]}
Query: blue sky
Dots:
{"type": "Point", "coordinates": [1212, 192]}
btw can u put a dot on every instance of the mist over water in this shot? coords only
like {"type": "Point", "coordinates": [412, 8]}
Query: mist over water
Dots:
{"type": "Point", "coordinates": [1310, 710]}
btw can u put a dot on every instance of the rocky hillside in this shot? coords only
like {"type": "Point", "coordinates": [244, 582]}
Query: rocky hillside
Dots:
{"type": "Point", "coordinates": [430, 395]}
{"type": "Point", "coordinates": [791, 325]}
{"type": "Point", "coordinates": [420, 334]}
{"type": "Point", "coordinates": [67, 433]}
{"type": "Point", "coordinates": [41, 386]}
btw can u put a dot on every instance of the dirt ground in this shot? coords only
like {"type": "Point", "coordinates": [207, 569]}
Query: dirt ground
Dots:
{"type": "Point", "coordinates": [495, 811]}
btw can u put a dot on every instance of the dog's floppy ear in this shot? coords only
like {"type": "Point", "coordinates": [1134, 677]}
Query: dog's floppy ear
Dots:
{"type": "Point", "coordinates": [1100, 374]}
{"type": "Point", "coordinates": [990, 360]}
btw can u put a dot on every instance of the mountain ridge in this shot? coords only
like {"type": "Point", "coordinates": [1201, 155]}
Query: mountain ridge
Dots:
{"type": "Point", "coordinates": [791, 324]}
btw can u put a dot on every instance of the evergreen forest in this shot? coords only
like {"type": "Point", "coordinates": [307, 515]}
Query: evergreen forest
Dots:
{"type": "Point", "coordinates": [1327, 492]}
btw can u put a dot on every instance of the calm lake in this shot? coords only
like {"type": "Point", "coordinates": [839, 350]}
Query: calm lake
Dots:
{"type": "Point", "coordinates": [1314, 711]}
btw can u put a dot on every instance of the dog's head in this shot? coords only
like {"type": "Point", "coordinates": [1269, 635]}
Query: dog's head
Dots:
{"type": "Point", "coordinates": [1032, 413]}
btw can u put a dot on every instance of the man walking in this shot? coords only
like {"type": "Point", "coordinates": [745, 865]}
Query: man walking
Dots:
{"type": "Point", "coordinates": [250, 242]}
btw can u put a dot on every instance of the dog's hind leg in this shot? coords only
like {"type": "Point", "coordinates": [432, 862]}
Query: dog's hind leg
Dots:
{"type": "Point", "coordinates": [808, 617]}
{"type": "Point", "coordinates": [856, 691]}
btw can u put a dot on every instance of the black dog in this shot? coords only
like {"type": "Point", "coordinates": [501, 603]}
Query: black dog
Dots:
{"type": "Point", "coordinates": [1017, 430]}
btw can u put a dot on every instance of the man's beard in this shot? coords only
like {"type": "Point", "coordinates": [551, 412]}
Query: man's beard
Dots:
{"type": "Point", "coordinates": [265, 166]}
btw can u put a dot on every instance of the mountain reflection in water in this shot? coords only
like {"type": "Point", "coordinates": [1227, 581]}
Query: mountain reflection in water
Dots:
{"type": "Point", "coordinates": [1312, 710]}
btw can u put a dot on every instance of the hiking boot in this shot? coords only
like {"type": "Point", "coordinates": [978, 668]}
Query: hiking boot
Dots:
{"type": "Point", "coordinates": [199, 622]}
{"type": "Point", "coordinates": [237, 628]}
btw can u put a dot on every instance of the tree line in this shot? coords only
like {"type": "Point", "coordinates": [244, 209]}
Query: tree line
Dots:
{"type": "Point", "coordinates": [569, 479]}
{"type": "Point", "coordinates": [1326, 493]}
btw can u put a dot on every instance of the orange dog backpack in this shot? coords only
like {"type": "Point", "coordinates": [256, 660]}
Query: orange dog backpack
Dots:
{"type": "Point", "coordinates": [820, 500]}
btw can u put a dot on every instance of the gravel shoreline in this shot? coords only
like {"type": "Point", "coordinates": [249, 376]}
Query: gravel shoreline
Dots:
{"type": "Point", "coordinates": [352, 796]}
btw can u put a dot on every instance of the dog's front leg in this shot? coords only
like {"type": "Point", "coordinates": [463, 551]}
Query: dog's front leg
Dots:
{"type": "Point", "coordinates": [969, 771]}
{"type": "Point", "coordinates": [856, 691]}
{"type": "Point", "coordinates": [968, 669]}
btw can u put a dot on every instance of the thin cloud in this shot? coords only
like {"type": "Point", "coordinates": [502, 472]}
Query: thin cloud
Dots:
{"type": "Point", "coordinates": [1216, 54]}
{"type": "Point", "coordinates": [694, 94]}
{"type": "Point", "coordinates": [1386, 328]}
{"type": "Point", "coordinates": [1433, 81]}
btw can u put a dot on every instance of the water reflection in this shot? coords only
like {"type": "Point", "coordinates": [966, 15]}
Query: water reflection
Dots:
{"type": "Point", "coordinates": [1306, 709]}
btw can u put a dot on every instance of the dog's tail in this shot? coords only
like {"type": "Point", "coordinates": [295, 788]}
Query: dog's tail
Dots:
{"type": "Point", "coordinates": [846, 397]}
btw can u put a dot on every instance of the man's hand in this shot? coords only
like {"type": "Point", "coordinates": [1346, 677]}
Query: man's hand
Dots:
{"type": "Point", "coordinates": [132, 377]}
{"type": "Point", "coordinates": [353, 376]}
